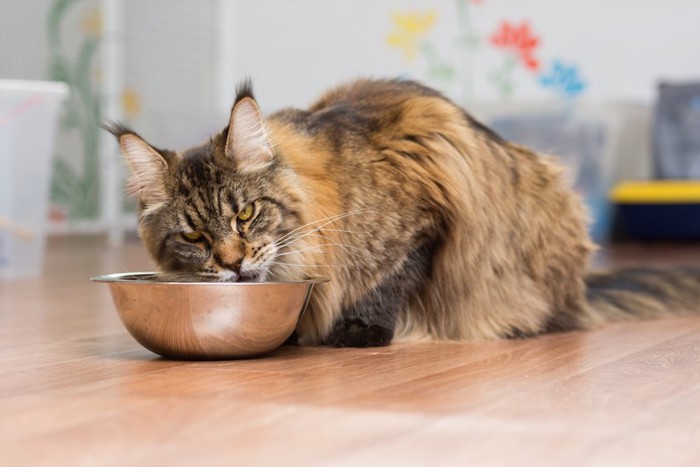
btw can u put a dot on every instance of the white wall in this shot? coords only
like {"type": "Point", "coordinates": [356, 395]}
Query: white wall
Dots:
{"type": "Point", "coordinates": [23, 51]}
{"type": "Point", "coordinates": [295, 49]}
{"type": "Point", "coordinates": [183, 58]}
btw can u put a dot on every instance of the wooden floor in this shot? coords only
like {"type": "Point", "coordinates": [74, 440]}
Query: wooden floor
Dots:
{"type": "Point", "coordinates": [75, 389]}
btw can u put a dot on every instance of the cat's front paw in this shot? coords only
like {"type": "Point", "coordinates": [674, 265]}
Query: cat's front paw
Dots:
{"type": "Point", "coordinates": [355, 332]}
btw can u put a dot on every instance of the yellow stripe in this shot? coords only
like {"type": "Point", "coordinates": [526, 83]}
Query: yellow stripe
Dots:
{"type": "Point", "coordinates": [648, 192]}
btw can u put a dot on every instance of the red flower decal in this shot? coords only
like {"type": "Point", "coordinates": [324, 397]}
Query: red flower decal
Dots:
{"type": "Point", "coordinates": [519, 39]}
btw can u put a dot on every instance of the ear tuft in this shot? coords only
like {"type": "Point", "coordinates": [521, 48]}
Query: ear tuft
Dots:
{"type": "Point", "coordinates": [243, 90]}
{"type": "Point", "coordinates": [247, 141]}
{"type": "Point", "coordinates": [117, 129]}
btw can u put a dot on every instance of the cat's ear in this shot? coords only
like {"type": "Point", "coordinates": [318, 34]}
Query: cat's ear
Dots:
{"type": "Point", "coordinates": [148, 167]}
{"type": "Point", "coordinates": [247, 141]}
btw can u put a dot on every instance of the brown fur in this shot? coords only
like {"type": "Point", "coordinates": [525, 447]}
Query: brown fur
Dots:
{"type": "Point", "coordinates": [413, 191]}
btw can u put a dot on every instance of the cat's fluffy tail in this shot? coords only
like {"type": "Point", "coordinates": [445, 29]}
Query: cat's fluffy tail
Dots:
{"type": "Point", "coordinates": [643, 293]}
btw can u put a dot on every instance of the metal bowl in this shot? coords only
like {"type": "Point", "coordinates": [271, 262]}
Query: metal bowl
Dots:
{"type": "Point", "coordinates": [208, 320]}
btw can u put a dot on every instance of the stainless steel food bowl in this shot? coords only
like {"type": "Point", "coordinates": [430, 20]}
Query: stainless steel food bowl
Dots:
{"type": "Point", "coordinates": [208, 320]}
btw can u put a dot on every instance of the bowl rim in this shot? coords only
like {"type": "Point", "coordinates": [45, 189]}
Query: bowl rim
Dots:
{"type": "Point", "coordinates": [132, 278]}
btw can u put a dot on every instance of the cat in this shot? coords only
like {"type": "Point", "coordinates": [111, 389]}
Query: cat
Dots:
{"type": "Point", "coordinates": [428, 223]}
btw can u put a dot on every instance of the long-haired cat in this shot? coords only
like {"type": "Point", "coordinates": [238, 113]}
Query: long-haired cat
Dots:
{"type": "Point", "coordinates": [428, 224]}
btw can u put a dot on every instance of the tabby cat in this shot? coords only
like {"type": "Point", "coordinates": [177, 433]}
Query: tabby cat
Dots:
{"type": "Point", "coordinates": [429, 225]}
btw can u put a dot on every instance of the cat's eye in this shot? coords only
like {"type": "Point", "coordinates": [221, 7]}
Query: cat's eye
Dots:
{"type": "Point", "coordinates": [192, 236]}
{"type": "Point", "coordinates": [246, 213]}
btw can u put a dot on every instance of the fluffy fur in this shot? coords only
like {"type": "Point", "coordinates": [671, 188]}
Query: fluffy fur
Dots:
{"type": "Point", "coordinates": [429, 225]}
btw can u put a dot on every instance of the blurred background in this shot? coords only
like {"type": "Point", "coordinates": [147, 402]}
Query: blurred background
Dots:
{"type": "Point", "coordinates": [613, 88]}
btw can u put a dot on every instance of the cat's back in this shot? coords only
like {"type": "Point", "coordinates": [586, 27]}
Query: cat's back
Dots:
{"type": "Point", "coordinates": [373, 93]}
{"type": "Point", "coordinates": [363, 108]}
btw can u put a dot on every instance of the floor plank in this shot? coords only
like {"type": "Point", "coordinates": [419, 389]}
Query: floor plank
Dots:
{"type": "Point", "coordinates": [76, 389]}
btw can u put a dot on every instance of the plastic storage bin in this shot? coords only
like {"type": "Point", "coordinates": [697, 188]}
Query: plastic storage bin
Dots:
{"type": "Point", "coordinates": [28, 120]}
{"type": "Point", "coordinates": [658, 210]}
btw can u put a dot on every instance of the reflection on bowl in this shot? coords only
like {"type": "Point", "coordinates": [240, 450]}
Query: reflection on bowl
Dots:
{"type": "Point", "coordinates": [208, 320]}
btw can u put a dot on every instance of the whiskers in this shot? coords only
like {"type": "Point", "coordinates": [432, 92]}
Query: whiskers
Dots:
{"type": "Point", "coordinates": [313, 227]}
{"type": "Point", "coordinates": [317, 229]}
{"type": "Point", "coordinates": [340, 266]}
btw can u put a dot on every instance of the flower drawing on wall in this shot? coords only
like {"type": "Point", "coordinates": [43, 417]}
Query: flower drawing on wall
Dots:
{"type": "Point", "coordinates": [519, 43]}
{"type": "Point", "coordinates": [409, 29]}
{"type": "Point", "coordinates": [92, 23]}
{"type": "Point", "coordinates": [131, 103]}
{"type": "Point", "coordinates": [411, 35]}
{"type": "Point", "coordinates": [519, 40]}
{"type": "Point", "coordinates": [563, 79]}
{"type": "Point", "coordinates": [514, 42]}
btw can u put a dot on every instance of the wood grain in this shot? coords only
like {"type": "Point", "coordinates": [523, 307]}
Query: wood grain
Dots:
{"type": "Point", "coordinates": [75, 389]}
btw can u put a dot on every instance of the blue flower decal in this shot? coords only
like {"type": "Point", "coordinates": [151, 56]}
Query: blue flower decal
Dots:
{"type": "Point", "coordinates": [563, 79]}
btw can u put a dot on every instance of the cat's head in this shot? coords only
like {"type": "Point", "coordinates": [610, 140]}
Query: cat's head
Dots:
{"type": "Point", "coordinates": [219, 210]}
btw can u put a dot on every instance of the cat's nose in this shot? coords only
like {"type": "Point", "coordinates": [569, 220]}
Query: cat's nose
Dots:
{"type": "Point", "coordinates": [229, 256]}
{"type": "Point", "coordinates": [235, 266]}
{"type": "Point", "coordinates": [232, 264]}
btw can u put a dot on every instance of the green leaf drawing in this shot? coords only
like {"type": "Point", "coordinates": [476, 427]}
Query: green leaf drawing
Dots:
{"type": "Point", "coordinates": [56, 14]}
{"type": "Point", "coordinates": [468, 41]}
{"type": "Point", "coordinates": [82, 80]}
{"type": "Point", "coordinates": [438, 69]}
{"type": "Point", "coordinates": [503, 78]}
{"type": "Point", "coordinates": [77, 191]}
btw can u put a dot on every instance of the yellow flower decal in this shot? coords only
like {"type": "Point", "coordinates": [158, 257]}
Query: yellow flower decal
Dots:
{"type": "Point", "coordinates": [131, 103]}
{"type": "Point", "coordinates": [92, 23]}
{"type": "Point", "coordinates": [410, 28]}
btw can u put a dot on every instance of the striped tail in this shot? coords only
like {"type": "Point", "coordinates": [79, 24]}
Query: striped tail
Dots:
{"type": "Point", "coordinates": [643, 293]}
